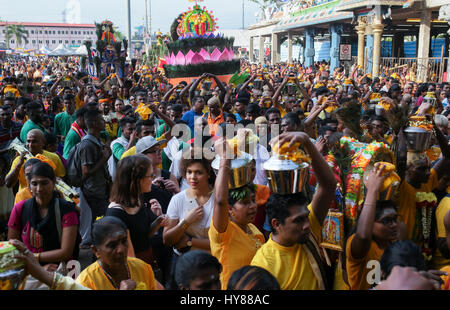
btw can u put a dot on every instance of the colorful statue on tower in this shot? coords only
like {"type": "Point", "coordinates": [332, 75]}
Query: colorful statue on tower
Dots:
{"type": "Point", "coordinates": [108, 32]}
{"type": "Point", "coordinates": [196, 22]}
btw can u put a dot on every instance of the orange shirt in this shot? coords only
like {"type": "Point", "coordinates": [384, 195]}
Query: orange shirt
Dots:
{"type": "Point", "coordinates": [446, 279]}
{"type": "Point", "coordinates": [406, 200]}
{"type": "Point", "coordinates": [214, 123]}
{"type": "Point", "coordinates": [357, 269]}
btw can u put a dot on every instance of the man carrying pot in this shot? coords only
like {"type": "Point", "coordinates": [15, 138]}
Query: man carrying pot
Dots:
{"type": "Point", "coordinates": [292, 253]}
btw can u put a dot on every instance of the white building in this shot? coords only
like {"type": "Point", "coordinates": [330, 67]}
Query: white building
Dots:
{"type": "Point", "coordinates": [51, 34]}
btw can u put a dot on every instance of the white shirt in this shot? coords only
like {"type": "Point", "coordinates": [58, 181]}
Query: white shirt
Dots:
{"type": "Point", "coordinates": [181, 204]}
{"type": "Point", "coordinates": [262, 155]}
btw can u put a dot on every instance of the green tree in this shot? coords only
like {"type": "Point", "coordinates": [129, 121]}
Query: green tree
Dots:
{"type": "Point", "coordinates": [118, 35]}
{"type": "Point", "coordinates": [18, 32]}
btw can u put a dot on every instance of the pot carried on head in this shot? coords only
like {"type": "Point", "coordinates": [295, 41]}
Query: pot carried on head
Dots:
{"type": "Point", "coordinates": [287, 170]}
{"type": "Point", "coordinates": [418, 139]}
{"type": "Point", "coordinates": [241, 170]}
{"type": "Point", "coordinates": [285, 176]}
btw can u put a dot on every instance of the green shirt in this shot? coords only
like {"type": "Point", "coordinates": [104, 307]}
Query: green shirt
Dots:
{"type": "Point", "coordinates": [63, 123]}
{"type": "Point", "coordinates": [72, 139]}
{"type": "Point", "coordinates": [118, 151]}
{"type": "Point", "coordinates": [29, 125]}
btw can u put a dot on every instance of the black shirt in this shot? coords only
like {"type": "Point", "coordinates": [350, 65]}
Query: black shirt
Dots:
{"type": "Point", "coordinates": [138, 224]}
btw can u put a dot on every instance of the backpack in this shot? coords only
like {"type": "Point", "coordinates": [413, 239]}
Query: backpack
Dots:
{"type": "Point", "coordinates": [73, 169]}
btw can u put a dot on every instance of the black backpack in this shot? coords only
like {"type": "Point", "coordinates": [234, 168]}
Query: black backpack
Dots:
{"type": "Point", "coordinates": [73, 170]}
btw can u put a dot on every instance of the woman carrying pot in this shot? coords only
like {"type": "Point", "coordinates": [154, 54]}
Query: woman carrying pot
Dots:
{"type": "Point", "coordinates": [234, 239]}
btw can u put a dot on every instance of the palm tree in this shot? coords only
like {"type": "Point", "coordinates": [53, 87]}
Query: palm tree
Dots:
{"type": "Point", "coordinates": [118, 35]}
{"type": "Point", "coordinates": [17, 31]}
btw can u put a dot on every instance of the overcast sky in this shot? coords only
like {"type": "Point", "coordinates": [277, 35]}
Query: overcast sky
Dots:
{"type": "Point", "coordinates": [229, 12]}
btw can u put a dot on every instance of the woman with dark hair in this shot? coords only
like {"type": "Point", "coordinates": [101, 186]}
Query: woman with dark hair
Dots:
{"type": "Point", "coordinates": [134, 177]}
{"type": "Point", "coordinates": [252, 278]}
{"type": "Point", "coordinates": [234, 239]}
{"type": "Point", "coordinates": [190, 211]}
{"type": "Point", "coordinates": [420, 94]}
{"type": "Point", "coordinates": [47, 225]}
{"type": "Point", "coordinates": [376, 229]}
{"type": "Point", "coordinates": [197, 270]}
{"type": "Point", "coordinates": [113, 268]}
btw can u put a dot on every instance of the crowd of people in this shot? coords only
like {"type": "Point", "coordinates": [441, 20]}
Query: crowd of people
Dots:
{"type": "Point", "coordinates": [122, 166]}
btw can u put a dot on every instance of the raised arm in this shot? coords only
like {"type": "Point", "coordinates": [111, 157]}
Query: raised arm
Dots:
{"type": "Point", "coordinates": [362, 240]}
{"type": "Point", "coordinates": [279, 89]}
{"type": "Point", "coordinates": [327, 183]}
{"type": "Point", "coordinates": [220, 212]}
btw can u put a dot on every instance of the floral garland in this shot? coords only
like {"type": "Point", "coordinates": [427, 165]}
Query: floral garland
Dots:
{"type": "Point", "coordinates": [425, 203]}
{"type": "Point", "coordinates": [364, 154]}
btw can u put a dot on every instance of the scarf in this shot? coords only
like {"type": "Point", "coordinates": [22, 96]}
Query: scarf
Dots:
{"type": "Point", "coordinates": [316, 257]}
{"type": "Point", "coordinates": [45, 228]}
{"type": "Point", "coordinates": [79, 131]}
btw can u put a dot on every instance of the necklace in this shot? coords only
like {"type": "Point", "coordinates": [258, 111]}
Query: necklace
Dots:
{"type": "Point", "coordinates": [110, 278]}
{"type": "Point", "coordinates": [249, 232]}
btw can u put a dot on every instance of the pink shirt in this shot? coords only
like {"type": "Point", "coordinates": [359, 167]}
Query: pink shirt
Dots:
{"type": "Point", "coordinates": [29, 236]}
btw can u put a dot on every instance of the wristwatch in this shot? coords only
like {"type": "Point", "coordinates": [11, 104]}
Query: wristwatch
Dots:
{"type": "Point", "coordinates": [189, 243]}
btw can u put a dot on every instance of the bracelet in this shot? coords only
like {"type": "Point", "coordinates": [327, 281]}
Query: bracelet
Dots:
{"type": "Point", "coordinates": [56, 278]}
{"type": "Point", "coordinates": [37, 255]}
{"type": "Point", "coordinates": [183, 224]}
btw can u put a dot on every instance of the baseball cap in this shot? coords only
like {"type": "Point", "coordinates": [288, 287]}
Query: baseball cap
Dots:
{"type": "Point", "coordinates": [147, 142]}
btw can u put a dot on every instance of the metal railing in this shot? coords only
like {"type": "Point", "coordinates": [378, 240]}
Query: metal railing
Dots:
{"type": "Point", "coordinates": [429, 69]}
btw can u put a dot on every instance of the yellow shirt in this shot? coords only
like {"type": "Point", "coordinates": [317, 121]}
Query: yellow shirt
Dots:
{"type": "Point", "coordinates": [444, 206]}
{"type": "Point", "coordinates": [22, 195]}
{"type": "Point", "coordinates": [78, 103]}
{"type": "Point", "coordinates": [406, 201]}
{"type": "Point", "coordinates": [290, 265]}
{"type": "Point", "coordinates": [357, 268]}
{"type": "Point", "coordinates": [94, 278]}
{"type": "Point", "coordinates": [234, 248]}
{"type": "Point", "coordinates": [60, 171]}
{"type": "Point", "coordinates": [130, 152]}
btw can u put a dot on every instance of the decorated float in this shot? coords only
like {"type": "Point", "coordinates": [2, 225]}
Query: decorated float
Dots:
{"type": "Point", "coordinates": [108, 56]}
{"type": "Point", "coordinates": [196, 49]}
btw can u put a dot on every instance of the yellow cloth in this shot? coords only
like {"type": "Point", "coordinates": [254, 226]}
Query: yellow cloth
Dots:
{"type": "Point", "coordinates": [446, 279]}
{"type": "Point", "coordinates": [11, 89]}
{"type": "Point", "coordinates": [94, 278]}
{"type": "Point", "coordinates": [406, 200]}
{"type": "Point", "coordinates": [290, 265]}
{"type": "Point", "coordinates": [78, 103]}
{"type": "Point", "coordinates": [130, 152]}
{"type": "Point", "coordinates": [60, 171]}
{"type": "Point", "coordinates": [22, 195]}
{"type": "Point", "coordinates": [357, 268]}
{"type": "Point", "coordinates": [444, 206]}
{"type": "Point", "coordinates": [234, 248]}
{"type": "Point", "coordinates": [433, 153]}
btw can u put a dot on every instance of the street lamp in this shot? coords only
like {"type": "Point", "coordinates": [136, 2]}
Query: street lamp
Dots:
{"type": "Point", "coordinates": [129, 29]}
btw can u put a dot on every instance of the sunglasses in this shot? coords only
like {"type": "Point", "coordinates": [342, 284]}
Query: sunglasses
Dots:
{"type": "Point", "coordinates": [157, 151]}
{"type": "Point", "coordinates": [388, 220]}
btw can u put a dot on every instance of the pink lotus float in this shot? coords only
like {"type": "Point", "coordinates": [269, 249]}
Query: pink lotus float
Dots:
{"type": "Point", "coordinates": [193, 58]}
